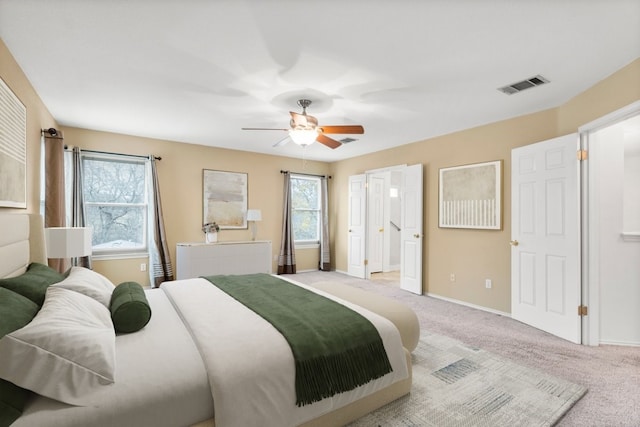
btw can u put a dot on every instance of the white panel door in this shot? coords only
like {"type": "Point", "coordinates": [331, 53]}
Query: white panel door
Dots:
{"type": "Point", "coordinates": [357, 226]}
{"type": "Point", "coordinates": [545, 224]}
{"type": "Point", "coordinates": [375, 223]}
{"type": "Point", "coordinates": [411, 230]}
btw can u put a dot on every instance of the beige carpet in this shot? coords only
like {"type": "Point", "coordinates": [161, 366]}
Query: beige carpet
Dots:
{"type": "Point", "coordinates": [611, 373]}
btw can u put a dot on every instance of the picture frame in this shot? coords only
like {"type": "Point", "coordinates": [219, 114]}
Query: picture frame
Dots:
{"type": "Point", "coordinates": [470, 196]}
{"type": "Point", "coordinates": [224, 198]}
{"type": "Point", "coordinates": [13, 149]}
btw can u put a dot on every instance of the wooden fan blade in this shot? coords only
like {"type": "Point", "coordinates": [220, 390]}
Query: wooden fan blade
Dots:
{"type": "Point", "coordinates": [283, 141]}
{"type": "Point", "coordinates": [298, 119]}
{"type": "Point", "coordinates": [329, 142]}
{"type": "Point", "coordinates": [263, 129]}
{"type": "Point", "coordinates": [342, 129]}
{"type": "Point", "coordinates": [303, 120]}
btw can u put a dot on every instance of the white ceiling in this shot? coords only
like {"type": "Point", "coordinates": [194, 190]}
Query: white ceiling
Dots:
{"type": "Point", "coordinates": [197, 71]}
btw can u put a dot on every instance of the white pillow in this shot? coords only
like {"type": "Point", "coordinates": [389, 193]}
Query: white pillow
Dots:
{"type": "Point", "coordinates": [66, 353]}
{"type": "Point", "coordinates": [89, 283]}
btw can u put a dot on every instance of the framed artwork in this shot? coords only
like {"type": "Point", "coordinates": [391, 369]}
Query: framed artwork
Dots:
{"type": "Point", "coordinates": [13, 149]}
{"type": "Point", "coordinates": [224, 198]}
{"type": "Point", "coordinates": [470, 196]}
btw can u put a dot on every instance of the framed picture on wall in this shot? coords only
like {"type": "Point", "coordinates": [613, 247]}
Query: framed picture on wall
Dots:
{"type": "Point", "coordinates": [13, 149]}
{"type": "Point", "coordinates": [470, 196]}
{"type": "Point", "coordinates": [224, 198]}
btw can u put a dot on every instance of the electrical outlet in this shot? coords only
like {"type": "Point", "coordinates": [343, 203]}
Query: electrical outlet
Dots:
{"type": "Point", "coordinates": [487, 284]}
{"type": "Point", "coordinates": [452, 277]}
{"type": "Point", "coordinates": [143, 267]}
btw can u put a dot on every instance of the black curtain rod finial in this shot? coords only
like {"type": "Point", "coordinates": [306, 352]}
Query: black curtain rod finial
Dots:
{"type": "Point", "coordinates": [53, 133]}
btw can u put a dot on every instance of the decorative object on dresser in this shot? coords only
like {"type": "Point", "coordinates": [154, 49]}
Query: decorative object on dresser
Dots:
{"type": "Point", "coordinates": [254, 215]}
{"type": "Point", "coordinates": [68, 242]}
{"type": "Point", "coordinates": [242, 257]}
{"type": "Point", "coordinates": [211, 232]}
{"type": "Point", "coordinates": [224, 198]}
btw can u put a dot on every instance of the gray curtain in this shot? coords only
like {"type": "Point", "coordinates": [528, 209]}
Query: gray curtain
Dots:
{"type": "Point", "coordinates": [287, 257]}
{"type": "Point", "coordinates": [160, 269]}
{"type": "Point", "coordinates": [54, 206]}
{"type": "Point", "coordinates": [77, 201]}
{"type": "Point", "coordinates": [325, 248]}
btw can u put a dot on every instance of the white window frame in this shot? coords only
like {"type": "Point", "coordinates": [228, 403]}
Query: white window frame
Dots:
{"type": "Point", "coordinates": [315, 242]}
{"type": "Point", "coordinates": [113, 253]}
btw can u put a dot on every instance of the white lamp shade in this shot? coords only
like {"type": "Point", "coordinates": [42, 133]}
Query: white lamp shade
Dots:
{"type": "Point", "coordinates": [254, 215]}
{"type": "Point", "coordinates": [68, 242]}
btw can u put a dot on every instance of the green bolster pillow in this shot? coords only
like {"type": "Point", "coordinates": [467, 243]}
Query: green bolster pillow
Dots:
{"type": "Point", "coordinates": [130, 310]}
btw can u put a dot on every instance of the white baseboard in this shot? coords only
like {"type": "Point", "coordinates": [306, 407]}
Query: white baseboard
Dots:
{"type": "Point", "coordinates": [307, 271]}
{"type": "Point", "coordinates": [620, 343]}
{"type": "Point", "coordinates": [455, 301]}
{"type": "Point", "coordinates": [478, 307]}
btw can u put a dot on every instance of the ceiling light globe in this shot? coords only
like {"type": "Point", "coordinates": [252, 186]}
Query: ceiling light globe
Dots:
{"type": "Point", "coordinates": [303, 137]}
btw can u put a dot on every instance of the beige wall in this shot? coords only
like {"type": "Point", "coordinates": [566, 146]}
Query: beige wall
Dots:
{"type": "Point", "coordinates": [472, 255]}
{"type": "Point", "coordinates": [38, 117]}
{"type": "Point", "coordinates": [476, 255]}
{"type": "Point", "coordinates": [180, 176]}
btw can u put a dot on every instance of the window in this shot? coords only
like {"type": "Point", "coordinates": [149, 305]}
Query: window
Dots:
{"type": "Point", "coordinates": [115, 202]}
{"type": "Point", "coordinates": [305, 208]}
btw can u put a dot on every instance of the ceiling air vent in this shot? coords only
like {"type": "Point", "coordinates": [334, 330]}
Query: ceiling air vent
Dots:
{"type": "Point", "coordinates": [347, 140]}
{"type": "Point", "coordinates": [525, 84]}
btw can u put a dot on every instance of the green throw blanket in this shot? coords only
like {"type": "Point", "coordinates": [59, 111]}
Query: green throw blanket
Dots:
{"type": "Point", "coordinates": [335, 349]}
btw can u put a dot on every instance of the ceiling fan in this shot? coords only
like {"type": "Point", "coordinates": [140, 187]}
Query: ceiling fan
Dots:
{"type": "Point", "coordinates": [304, 129]}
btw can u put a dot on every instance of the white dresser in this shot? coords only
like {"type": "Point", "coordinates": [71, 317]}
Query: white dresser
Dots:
{"type": "Point", "coordinates": [206, 259]}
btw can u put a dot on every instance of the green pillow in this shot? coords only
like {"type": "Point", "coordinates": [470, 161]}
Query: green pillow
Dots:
{"type": "Point", "coordinates": [130, 310]}
{"type": "Point", "coordinates": [34, 282]}
{"type": "Point", "coordinates": [16, 311]}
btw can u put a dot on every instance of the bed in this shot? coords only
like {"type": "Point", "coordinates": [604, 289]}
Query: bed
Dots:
{"type": "Point", "coordinates": [169, 373]}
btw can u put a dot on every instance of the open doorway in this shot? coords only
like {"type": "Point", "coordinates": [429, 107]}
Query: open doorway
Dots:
{"type": "Point", "coordinates": [384, 218]}
{"type": "Point", "coordinates": [385, 225]}
{"type": "Point", "coordinates": [612, 244]}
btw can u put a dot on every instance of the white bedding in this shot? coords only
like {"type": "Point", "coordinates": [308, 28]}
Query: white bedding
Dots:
{"type": "Point", "coordinates": [260, 391]}
{"type": "Point", "coordinates": [160, 381]}
{"type": "Point", "coordinates": [164, 371]}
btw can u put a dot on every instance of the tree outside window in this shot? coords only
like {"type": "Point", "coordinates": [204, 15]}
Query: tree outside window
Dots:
{"type": "Point", "coordinates": [305, 208]}
{"type": "Point", "coordinates": [115, 199]}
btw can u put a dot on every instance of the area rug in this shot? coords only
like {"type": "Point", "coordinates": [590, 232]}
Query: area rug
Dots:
{"type": "Point", "coordinates": [456, 385]}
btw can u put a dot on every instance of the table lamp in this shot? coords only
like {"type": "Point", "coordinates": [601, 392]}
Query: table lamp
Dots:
{"type": "Point", "coordinates": [68, 242]}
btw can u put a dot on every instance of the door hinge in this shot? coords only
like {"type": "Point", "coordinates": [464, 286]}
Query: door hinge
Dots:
{"type": "Point", "coordinates": [583, 154]}
{"type": "Point", "coordinates": [366, 262]}
{"type": "Point", "coordinates": [582, 310]}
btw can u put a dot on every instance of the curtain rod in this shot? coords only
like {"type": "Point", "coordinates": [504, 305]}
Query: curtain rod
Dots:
{"type": "Point", "coordinates": [53, 133]}
{"type": "Point", "coordinates": [115, 154]}
{"type": "Point", "coordinates": [307, 174]}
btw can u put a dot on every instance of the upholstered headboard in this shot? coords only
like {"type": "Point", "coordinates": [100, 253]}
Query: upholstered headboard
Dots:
{"type": "Point", "coordinates": [21, 242]}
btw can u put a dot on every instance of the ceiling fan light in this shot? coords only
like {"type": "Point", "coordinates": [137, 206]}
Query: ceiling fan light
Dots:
{"type": "Point", "coordinates": [303, 137]}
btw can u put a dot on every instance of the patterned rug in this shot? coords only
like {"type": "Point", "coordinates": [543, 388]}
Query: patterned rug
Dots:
{"type": "Point", "coordinates": [455, 385]}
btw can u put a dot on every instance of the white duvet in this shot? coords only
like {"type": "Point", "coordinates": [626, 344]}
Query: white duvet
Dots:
{"type": "Point", "coordinates": [202, 350]}
{"type": "Point", "coordinates": [250, 365]}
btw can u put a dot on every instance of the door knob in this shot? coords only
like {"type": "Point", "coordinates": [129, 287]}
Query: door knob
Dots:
{"type": "Point", "coordinates": [514, 243]}
{"type": "Point", "coordinates": [381, 230]}
{"type": "Point", "coordinates": [417, 236]}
